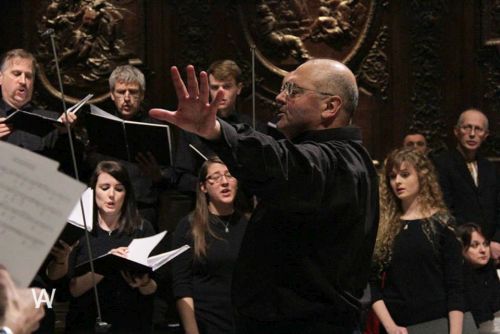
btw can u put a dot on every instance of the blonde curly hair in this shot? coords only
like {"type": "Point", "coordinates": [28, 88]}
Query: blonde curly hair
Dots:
{"type": "Point", "coordinates": [430, 200]}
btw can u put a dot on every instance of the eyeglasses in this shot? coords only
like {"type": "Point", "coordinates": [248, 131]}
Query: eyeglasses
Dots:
{"type": "Point", "coordinates": [217, 177]}
{"type": "Point", "coordinates": [291, 90]}
{"type": "Point", "coordinates": [469, 128]}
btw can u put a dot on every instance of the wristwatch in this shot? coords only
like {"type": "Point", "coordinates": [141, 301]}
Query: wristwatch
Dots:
{"type": "Point", "coordinates": [5, 330]}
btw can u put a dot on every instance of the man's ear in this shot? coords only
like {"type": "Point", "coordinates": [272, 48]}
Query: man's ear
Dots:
{"type": "Point", "coordinates": [240, 87]}
{"type": "Point", "coordinates": [112, 96]}
{"type": "Point", "coordinates": [332, 107]}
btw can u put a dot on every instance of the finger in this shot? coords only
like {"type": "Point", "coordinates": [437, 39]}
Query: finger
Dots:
{"type": "Point", "coordinates": [193, 88]}
{"type": "Point", "coordinates": [180, 88]}
{"type": "Point", "coordinates": [204, 87]}
{"type": "Point", "coordinates": [65, 245]}
{"type": "Point", "coordinates": [163, 115]}
{"type": "Point", "coordinates": [214, 105]}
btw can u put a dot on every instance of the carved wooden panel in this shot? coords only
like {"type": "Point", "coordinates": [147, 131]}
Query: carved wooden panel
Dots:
{"type": "Point", "coordinates": [92, 37]}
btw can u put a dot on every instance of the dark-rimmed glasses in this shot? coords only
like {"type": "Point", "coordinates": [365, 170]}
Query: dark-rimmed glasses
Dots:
{"type": "Point", "coordinates": [291, 90]}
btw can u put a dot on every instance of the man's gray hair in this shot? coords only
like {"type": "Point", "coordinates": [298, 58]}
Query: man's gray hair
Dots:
{"type": "Point", "coordinates": [127, 74]}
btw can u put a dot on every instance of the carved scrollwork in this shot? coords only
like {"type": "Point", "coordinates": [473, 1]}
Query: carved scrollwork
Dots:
{"type": "Point", "coordinates": [374, 69]}
{"type": "Point", "coordinates": [427, 70]}
{"type": "Point", "coordinates": [194, 31]}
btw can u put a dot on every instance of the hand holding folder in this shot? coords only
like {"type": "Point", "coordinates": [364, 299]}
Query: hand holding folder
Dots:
{"type": "Point", "coordinates": [137, 259]}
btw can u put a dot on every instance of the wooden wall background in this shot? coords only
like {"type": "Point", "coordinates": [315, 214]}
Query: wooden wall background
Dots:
{"type": "Point", "coordinates": [419, 65]}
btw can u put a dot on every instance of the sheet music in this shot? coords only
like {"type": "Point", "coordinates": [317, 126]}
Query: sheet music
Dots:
{"type": "Point", "coordinates": [35, 200]}
{"type": "Point", "coordinates": [140, 248]}
{"type": "Point", "coordinates": [76, 217]}
{"type": "Point", "coordinates": [80, 104]}
{"type": "Point", "coordinates": [99, 112]}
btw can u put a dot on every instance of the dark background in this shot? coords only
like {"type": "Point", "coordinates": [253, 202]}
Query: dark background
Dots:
{"type": "Point", "coordinates": [419, 65]}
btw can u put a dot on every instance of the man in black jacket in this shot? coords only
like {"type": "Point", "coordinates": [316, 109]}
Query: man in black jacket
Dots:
{"type": "Point", "coordinates": [470, 183]}
{"type": "Point", "coordinates": [305, 257]}
{"type": "Point", "coordinates": [17, 77]}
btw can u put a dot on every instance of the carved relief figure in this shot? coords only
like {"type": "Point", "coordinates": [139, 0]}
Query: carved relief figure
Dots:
{"type": "Point", "coordinates": [287, 24]}
{"type": "Point", "coordinates": [268, 26]}
{"type": "Point", "coordinates": [88, 33]}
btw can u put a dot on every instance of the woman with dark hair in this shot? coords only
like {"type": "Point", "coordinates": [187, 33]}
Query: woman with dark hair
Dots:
{"type": "Point", "coordinates": [214, 230]}
{"type": "Point", "coordinates": [416, 249]}
{"type": "Point", "coordinates": [482, 285]}
{"type": "Point", "coordinates": [125, 299]}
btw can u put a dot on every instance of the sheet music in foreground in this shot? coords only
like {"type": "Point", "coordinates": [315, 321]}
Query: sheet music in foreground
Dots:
{"type": "Point", "coordinates": [35, 200]}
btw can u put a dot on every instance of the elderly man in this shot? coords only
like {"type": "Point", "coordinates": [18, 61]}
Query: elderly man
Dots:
{"type": "Point", "coordinates": [470, 183]}
{"type": "Point", "coordinates": [305, 257]}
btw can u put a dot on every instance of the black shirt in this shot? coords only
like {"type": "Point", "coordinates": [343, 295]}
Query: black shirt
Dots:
{"type": "Point", "coordinates": [124, 307]}
{"type": "Point", "coordinates": [482, 291]}
{"type": "Point", "coordinates": [54, 145]}
{"type": "Point", "coordinates": [208, 280]}
{"type": "Point", "coordinates": [423, 281]}
{"type": "Point", "coordinates": [307, 249]}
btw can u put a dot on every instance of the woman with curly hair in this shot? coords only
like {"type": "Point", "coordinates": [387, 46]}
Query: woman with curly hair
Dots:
{"type": "Point", "coordinates": [416, 249]}
{"type": "Point", "coordinates": [202, 275]}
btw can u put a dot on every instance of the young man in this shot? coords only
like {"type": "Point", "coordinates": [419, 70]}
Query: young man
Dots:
{"type": "Point", "coordinates": [224, 78]}
{"type": "Point", "coordinates": [416, 141]}
{"type": "Point", "coordinates": [306, 254]}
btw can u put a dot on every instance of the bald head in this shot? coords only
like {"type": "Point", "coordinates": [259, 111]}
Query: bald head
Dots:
{"type": "Point", "coordinates": [331, 76]}
{"type": "Point", "coordinates": [473, 112]}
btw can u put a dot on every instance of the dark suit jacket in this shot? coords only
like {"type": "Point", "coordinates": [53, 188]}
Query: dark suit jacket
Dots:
{"type": "Point", "coordinates": [467, 202]}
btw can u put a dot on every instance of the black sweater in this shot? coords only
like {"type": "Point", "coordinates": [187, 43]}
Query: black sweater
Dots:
{"type": "Point", "coordinates": [422, 282]}
{"type": "Point", "coordinates": [208, 280]}
{"type": "Point", "coordinates": [482, 291]}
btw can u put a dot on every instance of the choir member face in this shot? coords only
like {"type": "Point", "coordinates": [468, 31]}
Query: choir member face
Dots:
{"type": "Point", "coordinates": [17, 79]}
{"type": "Point", "coordinates": [219, 185]}
{"type": "Point", "coordinates": [127, 97]}
{"type": "Point", "coordinates": [300, 103]}
{"type": "Point", "coordinates": [417, 142]}
{"type": "Point", "coordinates": [230, 89]}
{"type": "Point", "coordinates": [109, 195]}
{"type": "Point", "coordinates": [404, 182]}
{"type": "Point", "coordinates": [478, 252]}
{"type": "Point", "coordinates": [472, 131]}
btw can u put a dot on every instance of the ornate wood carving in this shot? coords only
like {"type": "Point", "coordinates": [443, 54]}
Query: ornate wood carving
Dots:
{"type": "Point", "coordinates": [427, 70]}
{"type": "Point", "coordinates": [194, 32]}
{"type": "Point", "coordinates": [374, 68]}
{"type": "Point", "coordinates": [92, 38]}
{"type": "Point", "coordinates": [286, 33]}
{"type": "Point", "coordinates": [489, 60]}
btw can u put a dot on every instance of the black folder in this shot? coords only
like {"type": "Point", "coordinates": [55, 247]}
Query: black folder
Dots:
{"type": "Point", "coordinates": [30, 122]}
{"type": "Point", "coordinates": [123, 139]}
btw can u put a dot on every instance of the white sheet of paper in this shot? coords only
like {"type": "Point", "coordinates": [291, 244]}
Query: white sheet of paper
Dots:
{"type": "Point", "coordinates": [160, 259]}
{"type": "Point", "coordinates": [35, 200]}
{"type": "Point", "coordinates": [76, 217]}
{"type": "Point", "coordinates": [139, 249]}
{"type": "Point", "coordinates": [99, 112]}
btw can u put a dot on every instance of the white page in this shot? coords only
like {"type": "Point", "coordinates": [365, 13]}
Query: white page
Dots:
{"type": "Point", "coordinates": [80, 103]}
{"type": "Point", "coordinates": [159, 260]}
{"type": "Point", "coordinates": [139, 248]}
{"type": "Point", "coordinates": [35, 200]}
{"type": "Point", "coordinates": [76, 217]}
{"type": "Point", "coordinates": [99, 112]}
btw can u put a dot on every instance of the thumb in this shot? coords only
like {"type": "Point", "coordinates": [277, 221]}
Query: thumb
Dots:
{"type": "Point", "coordinates": [163, 115]}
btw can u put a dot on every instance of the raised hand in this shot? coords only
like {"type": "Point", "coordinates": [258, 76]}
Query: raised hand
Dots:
{"type": "Point", "coordinates": [194, 112]}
